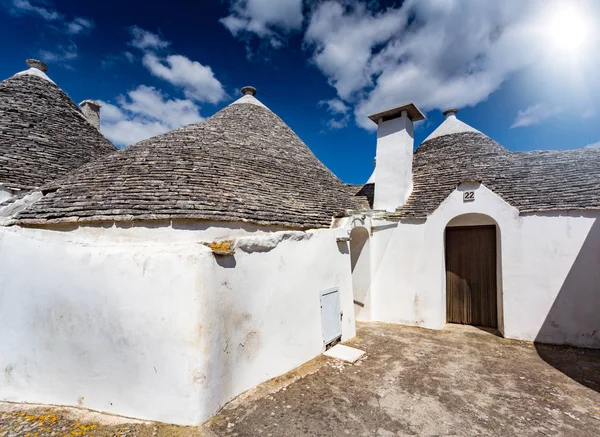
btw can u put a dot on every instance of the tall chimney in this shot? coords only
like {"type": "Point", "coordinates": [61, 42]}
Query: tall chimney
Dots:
{"type": "Point", "coordinates": [91, 111]}
{"type": "Point", "coordinates": [395, 143]}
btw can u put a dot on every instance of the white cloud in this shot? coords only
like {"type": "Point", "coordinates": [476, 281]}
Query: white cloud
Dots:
{"type": "Point", "coordinates": [589, 113]}
{"type": "Point", "coordinates": [535, 114]}
{"type": "Point", "coordinates": [593, 145]}
{"type": "Point", "coordinates": [143, 113]}
{"type": "Point", "coordinates": [335, 106]}
{"type": "Point", "coordinates": [145, 40]}
{"type": "Point", "coordinates": [198, 81]}
{"type": "Point", "coordinates": [60, 53]}
{"type": "Point", "coordinates": [80, 25]}
{"type": "Point", "coordinates": [28, 7]}
{"type": "Point", "coordinates": [40, 8]}
{"type": "Point", "coordinates": [268, 19]}
{"type": "Point", "coordinates": [438, 54]}
{"type": "Point", "coordinates": [340, 112]}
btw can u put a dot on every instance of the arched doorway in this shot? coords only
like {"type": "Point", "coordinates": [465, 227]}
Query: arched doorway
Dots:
{"type": "Point", "coordinates": [360, 260]}
{"type": "Point", "coordinates": [472, 271]}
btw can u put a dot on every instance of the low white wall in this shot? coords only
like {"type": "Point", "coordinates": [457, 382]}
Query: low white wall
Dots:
{"type": "Point", "coordinates": [549, 276]}
{"type": "Point", "coordinates": [149, 323]}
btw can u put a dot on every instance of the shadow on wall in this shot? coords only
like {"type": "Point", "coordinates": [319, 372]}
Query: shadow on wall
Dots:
{"type": "Point", "coordinates": [574, 318]}
{"type": "Point", "coordinates": [360, 265]}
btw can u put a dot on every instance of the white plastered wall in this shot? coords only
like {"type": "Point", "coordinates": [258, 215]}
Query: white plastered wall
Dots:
{"type": "Point", "coordinates": [548, 269]}
{"type": "Point", "coordinates": [4, 194]}
{"type": "Point", "coordinates": [146, 322]}
{"type": "Point", "coordinates": [360, 260]}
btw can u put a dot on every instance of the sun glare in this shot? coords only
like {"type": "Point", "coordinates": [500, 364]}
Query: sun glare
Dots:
{"type": "Point", "coordinates": [568, 27]}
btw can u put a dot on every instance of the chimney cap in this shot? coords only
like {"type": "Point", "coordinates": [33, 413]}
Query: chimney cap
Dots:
{"type": "Point", "coordinates": [451, 111]}
{"type": "Point", "coordinates": [37, 64]}
{"type": "Point", "coordinates": [91, 103]}
{"type": "Point", "coordinates": [413, 113]}
{"type": "Point", "coordinates": [249, 91]}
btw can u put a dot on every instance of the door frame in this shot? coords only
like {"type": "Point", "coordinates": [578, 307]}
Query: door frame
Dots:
{"type": "Point", "coordinates": [499, 289]}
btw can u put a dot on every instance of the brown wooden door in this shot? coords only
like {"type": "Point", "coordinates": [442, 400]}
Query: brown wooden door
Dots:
{"type": "Point", "coordinates": [471, 276]}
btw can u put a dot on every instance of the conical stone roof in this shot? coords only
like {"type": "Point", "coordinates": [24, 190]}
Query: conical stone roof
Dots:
{"type": "Point", "coordinates": [43, 134]}
{"type": "Point", "coordinates": [551, 180]}
{"type": "Point", "coordinates": [242, 164]}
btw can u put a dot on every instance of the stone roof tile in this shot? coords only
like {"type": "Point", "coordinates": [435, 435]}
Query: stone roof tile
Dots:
{"type": "Point", "coordinates": [43, 134]}
{"type": "Point", "coordinates": [530, 181]}
{"type": "Point", "coordinates": [242, 164]}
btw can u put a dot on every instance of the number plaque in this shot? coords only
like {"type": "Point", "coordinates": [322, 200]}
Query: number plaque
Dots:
{"type": "Point", "coordinates": [469, 196]}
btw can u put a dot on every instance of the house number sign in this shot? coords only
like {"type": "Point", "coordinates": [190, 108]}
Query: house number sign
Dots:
{"type": "Point", "coordinates": [468, 196]}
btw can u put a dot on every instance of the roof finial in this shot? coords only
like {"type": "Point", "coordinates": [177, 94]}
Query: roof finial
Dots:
{"type": "Point", "coordinates": [249, 91]}
{"type": "Point", "coordinates": [37, 64]}
{"type": "Point", "coordinates": [448, 112]}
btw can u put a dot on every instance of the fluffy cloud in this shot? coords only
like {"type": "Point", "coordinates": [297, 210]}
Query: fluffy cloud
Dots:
{"type": "Point", "coordinates": [27, 7]}
{"type": "Point", "coordinates": [61, 53]}
{"type": "Point", "coordinates": [432, 53]}
{"type": "Point", "coordinates": [269, 19]}
{"type": "Point", "coordinates": [535, 114]}
{"type": "Point", "coordinates": [198, 81]}
{"type": "Point", "coordinates": [146, 111]}
{"type": "Point", "coordinates": [80, 25]}
{"type": "Point", "coordinates": [41, 9]}
{"type": "Point", "coordinates": [340, 112]}
{"type": "Point", "coordinates": [593, 145]}
{"type": "Point", "coordinates": [145, 40]}
{"type": "Point", "coordinates": [143, 113]}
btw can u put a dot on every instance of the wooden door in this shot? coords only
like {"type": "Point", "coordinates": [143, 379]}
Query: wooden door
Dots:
{"type": "Point", "coordinates": [471, 276]}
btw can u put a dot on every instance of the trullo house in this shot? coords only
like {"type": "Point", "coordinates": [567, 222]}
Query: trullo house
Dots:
{"type": "Point", "coordinates": [43, 134]}
{"type": "Point", "coordinates": [162, 280]}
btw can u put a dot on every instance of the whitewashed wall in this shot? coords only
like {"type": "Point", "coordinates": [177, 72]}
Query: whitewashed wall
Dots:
{"type": "Point", "coordinates": [146, 322]}
{"type": "Point", "coordinates": [549, 275]}
{"type": "Point", "coordinates": [4, 194]}
{"type": "Point", "coordinates": [360, 261]}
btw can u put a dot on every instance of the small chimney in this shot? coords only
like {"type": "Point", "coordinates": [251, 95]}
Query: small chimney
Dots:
{"type": "Point", "coordinates": [395, 143]}
{"type": "Point", "coordinates": [450, 112]}
{"type": "Point", "coordinates": [38, 65]}
{"type": "Point", "coordinates": [249, 91]}
{"type": "Point", "coordinates": [91, 111]}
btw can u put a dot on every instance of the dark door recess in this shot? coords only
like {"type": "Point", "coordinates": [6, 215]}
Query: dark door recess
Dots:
{"type": "Point", "coordinates": [471, 297]}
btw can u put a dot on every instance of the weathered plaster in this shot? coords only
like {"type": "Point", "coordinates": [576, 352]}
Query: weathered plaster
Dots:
{"type": "Point", "coordinates": [147, 322]}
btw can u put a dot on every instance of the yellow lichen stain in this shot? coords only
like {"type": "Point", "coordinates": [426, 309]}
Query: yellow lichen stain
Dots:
{"type": "Point", "coordinates": [222, 248]}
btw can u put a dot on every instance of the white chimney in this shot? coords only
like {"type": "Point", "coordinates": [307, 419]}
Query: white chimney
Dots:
{"type": "Point", "coordinates": [395, 142]}
{"type": "Point", "coordinates": [91, 111]}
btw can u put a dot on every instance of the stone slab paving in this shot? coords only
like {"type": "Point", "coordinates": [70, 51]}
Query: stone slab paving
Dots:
{"type": "Point", "coordinates": [456, 382]}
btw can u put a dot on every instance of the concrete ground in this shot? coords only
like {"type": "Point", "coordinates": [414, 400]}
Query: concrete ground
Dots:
{"type": "Point", "coordinates": [459, 382]}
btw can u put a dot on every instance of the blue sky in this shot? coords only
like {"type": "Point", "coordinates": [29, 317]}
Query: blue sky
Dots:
{"type": "Point", "coordinates": [525, 73]}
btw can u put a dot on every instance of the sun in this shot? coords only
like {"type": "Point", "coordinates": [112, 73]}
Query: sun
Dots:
{"type": "Point", "coordinates": [568, 27]}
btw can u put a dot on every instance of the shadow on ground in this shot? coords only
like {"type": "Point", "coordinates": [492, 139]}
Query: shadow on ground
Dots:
{"type": "Point", "coordinates": [581, 365]}
{"type": "Point", "coordinates": [574, 318]}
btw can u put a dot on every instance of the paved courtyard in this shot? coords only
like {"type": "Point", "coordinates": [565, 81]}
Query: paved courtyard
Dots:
{"type": "Point", "coordinates": [459, 382]}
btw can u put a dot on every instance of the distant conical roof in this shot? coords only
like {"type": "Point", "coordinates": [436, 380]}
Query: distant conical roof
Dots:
{"type": "Point", "coordinates": [451, 125]}
{"type": "Point", "coordinates": [242, 164]}
{"type": "Point", "coordinates": [43, 134]}
{"type": "Point", "coordinates": [551, 180]}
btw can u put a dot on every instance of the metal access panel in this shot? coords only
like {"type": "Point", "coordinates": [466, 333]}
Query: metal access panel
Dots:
{"type": "Point", "coordinates": [331, 315]}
